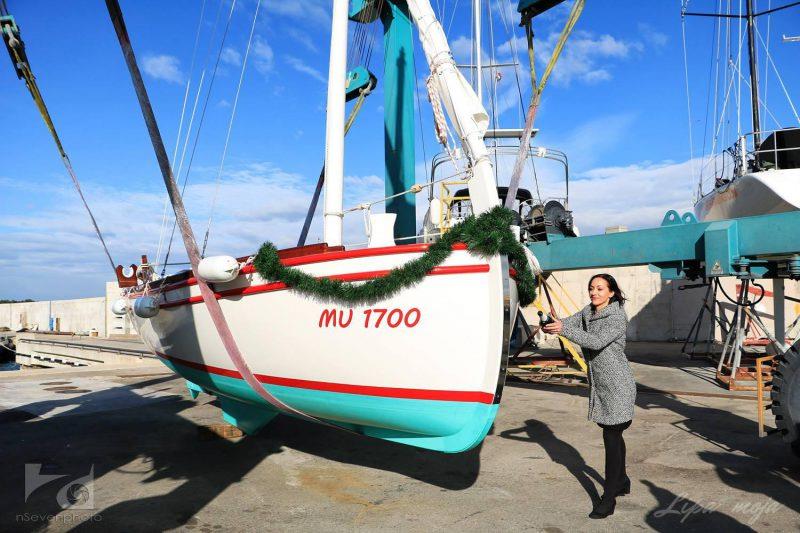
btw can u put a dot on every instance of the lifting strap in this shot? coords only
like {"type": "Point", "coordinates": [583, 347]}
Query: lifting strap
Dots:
{"type": "Point", "coordinates": [209, 298]}
{"type": "Point", "coordinates": [525, 140]}
{"type": "Point", "coordinates": [312, 208]}
{"type": "Point", "coordinates": [16, 49]}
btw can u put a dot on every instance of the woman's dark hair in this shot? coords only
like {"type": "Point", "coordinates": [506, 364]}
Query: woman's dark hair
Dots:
{"type": "Point", "coordinates": [613, 286]}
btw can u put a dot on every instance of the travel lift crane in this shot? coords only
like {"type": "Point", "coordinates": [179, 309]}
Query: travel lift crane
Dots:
{"type": "Point", "coordinates": [751, 248]}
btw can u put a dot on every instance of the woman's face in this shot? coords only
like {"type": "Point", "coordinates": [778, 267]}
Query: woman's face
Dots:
{"type": "Point", "coordinates": [599, 292]}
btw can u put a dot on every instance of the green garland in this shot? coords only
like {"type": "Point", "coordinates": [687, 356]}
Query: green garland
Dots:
{"type": "Point", "coordinates": [486, 235]}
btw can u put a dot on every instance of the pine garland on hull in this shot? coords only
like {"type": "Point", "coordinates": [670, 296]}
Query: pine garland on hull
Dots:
{"type": "Point", "coordinates": [487, 235]}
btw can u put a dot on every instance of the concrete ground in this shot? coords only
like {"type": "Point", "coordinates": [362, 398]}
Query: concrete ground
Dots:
{"type": "Point", "coordinates": [695, 462]}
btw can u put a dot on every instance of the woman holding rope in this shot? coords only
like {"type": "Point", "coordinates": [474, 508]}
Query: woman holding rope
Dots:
{"type": "Point", "coordinates": [599, 328]}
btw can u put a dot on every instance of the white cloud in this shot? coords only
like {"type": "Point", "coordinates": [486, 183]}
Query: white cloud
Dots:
{"type": "Point", "coordinates": [518, 44]}
{"type": "Point", "coordinates": [256, 202]}
{"type": "Point", "coordinates": [301, 66]}
{"type": "Point", "coordinates": [302, 38]}
{"type": "Point", "coordinates": [163, 67]}
{"type": "Point", "coordinates": [263, 56]}
{"type": "Point", "coordinates": [316, 11]}
{"type": "Point", "coordinates": [636, 195]}
{"type": "Point", "coordinates": [586, 56]}
{"type": "Point", "coordinates": [231, 57]}
{"type": "Point", "coordinates": [651, 36]}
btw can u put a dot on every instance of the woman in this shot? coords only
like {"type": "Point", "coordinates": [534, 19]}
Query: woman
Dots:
{"type": "Point", "coordinates": [600, 330]}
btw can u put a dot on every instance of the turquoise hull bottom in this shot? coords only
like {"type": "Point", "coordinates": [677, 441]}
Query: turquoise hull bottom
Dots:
{"type": "Point", "coordinates": [445, 426]}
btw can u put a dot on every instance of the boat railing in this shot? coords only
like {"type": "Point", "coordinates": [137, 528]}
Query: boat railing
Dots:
{"type": "Point", "coordinates": [777, 150]}
{"type": "Point", "coordinates": [752, 152]}
{"type": "Point", "coordinates": [508, 150]}
{"type": "Point", "coordinates": [449, 170]}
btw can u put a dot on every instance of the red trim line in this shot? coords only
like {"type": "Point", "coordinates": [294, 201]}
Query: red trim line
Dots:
{"type": "Point", "coordinates": [356, 276]}
{"type": "Point", "coordinates": [327, 256]}
{"type": "Point", "coordinates": [365, 390]}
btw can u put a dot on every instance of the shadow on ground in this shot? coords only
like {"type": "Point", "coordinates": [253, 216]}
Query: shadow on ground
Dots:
{"type": "Point", "coordinates": [560, 452]}
{"type": "Point", "coordinates": [160, 443]}
{"type": "Point", "coordinates": [764, 469]}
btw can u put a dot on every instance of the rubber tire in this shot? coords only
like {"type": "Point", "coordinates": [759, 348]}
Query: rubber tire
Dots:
{"type": "Point", "coordinates": [785, 397]}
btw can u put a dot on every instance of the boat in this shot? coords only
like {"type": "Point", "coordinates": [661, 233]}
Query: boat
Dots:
{"type": "Point", "coordinates": [404, 340]}
{"type": "Point", "coordinates": [411, 368]}
{"type": "Point", "coordinates": [424, 365]}
{"type": "Point", "coordinates": [766, 180]}
{"type": "Point", "coordinates": [760, 172]}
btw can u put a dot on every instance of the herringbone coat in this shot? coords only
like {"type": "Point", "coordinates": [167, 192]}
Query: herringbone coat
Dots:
{"type": "Point", "coordinates": [612, 389]}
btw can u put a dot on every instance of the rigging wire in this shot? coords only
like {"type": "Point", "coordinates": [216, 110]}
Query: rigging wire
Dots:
{"type": "Point", "coordinates": [189, 129]}
{"type": "Point", "coordinates": [511, 30]}
{"type": "Point", "coordinates": [202, 118]}
{"type": "Point", "coordinates": [739, 84]}
{"type": "Point", "coordinates": [524, 150]}
{"type": "Point", "coordinates": [230, 128]}
{"type": "Point", "coordinates": [780, 80]}
{"type": "Point", "coordinates": [729, 81]}
{"type": "Point", "coordinates": [686, 79]}
{"type": "Point", "coordinates": [760, 101]}
{"type": "Point", "coordinates": [716, 99]}
{"type": "Point", "coordinates": [766, 48]}
{"type": "Point", "coordinates": [365, 54]}
{"type": "Point", "coordinates": [419, 116]}
{"type": "Point", "coordinates": [16, 47]}
{"type": "Point", "coordinates": [452, 18]}
{"type": "Point", "coordinates": [714, 44]}
{"type": "Point", "coordinates": [164, 217]}
{"type": "Point", "coordinates": [493, 80]}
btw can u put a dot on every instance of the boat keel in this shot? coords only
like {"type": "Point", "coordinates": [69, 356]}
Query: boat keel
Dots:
{"type": "Point", "coordinates": [249, 418]}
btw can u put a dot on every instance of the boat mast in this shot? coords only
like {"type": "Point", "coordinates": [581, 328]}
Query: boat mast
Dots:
{"type": "Point", "coordinates": [751, 45]}
{"type": "Point", "coordinates": [334, 126]}
{"type": "Point", "coordinates": [476, 13]}
{"type": "Point", "coordinates": [466, 112]}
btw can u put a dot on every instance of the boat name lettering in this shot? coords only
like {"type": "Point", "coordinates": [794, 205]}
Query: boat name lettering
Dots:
{"type": "Point", "coordinates": [375, 318]}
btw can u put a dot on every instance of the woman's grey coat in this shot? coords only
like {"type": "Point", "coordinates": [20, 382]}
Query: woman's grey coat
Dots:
{"type": "Point", "coordinates": [612, 389]}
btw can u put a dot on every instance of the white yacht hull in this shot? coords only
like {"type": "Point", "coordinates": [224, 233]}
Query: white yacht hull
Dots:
{"type": "Point", "coordinates": [758, 193]}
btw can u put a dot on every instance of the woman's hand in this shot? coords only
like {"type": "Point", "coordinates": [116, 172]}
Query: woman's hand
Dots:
{"type": "Point", "coordinates": [553, 328]}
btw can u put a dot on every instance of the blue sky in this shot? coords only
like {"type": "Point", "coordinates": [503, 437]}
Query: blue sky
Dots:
{"type": "Point", "coordinates": [616, 105]}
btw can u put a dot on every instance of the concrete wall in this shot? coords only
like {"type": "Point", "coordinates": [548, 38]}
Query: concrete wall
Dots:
{"type": "Point", "coordinates": [116, 325]}
{"type": "Point", "coordinates": [76, 316]}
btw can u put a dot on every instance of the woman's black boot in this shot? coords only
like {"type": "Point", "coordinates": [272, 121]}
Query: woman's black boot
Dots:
{"type": "Point", "coordinates": [604, 508]}
{"type": "Point", "coordinates": [625, 488]}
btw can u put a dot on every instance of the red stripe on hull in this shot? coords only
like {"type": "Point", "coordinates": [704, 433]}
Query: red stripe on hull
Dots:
{"type": "Point", "coordinates": [356, 276]}
{"type": "Point", "coordinates": [328, 256]}
{"type": "Point", "coordinates": [363, 390]}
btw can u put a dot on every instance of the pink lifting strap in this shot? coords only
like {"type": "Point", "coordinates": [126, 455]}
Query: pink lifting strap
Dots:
{"type": "Point", "coordinates": [209, 298]}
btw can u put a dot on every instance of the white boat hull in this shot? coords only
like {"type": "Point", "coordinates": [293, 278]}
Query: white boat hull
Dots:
{"type": "Point", "coordinates": [425, 367]}
{"type": "Point", "coordinates": [759, 193]}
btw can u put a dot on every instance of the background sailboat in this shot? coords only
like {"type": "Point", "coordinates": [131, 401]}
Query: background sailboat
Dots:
{"type": "Point", "coordinates": [759, 173]}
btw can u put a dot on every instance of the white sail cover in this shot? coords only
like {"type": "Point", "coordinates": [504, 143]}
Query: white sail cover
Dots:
{"type": "Point", "coordinates": [466, 112]}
